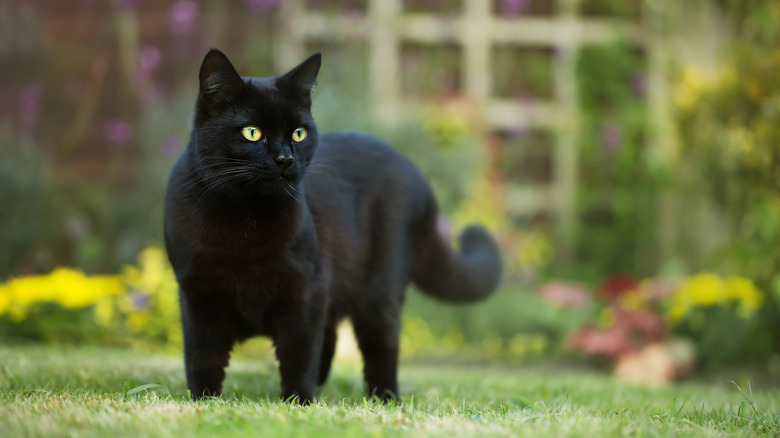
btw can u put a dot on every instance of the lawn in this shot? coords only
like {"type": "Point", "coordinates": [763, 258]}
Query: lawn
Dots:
{"type": "Point", "coordinates": [101, 392]}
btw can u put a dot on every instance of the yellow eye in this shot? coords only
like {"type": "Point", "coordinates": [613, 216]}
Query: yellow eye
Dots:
{"type": "Point", "coordinates": [252, 133]}
{"type": "Point", "coordinates": [299, 135]}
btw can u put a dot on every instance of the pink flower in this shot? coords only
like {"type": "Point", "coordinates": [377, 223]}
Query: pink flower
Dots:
{"type": "Point", "coordinates": [149, 58]}
{"type": "Point", "coordinates": [565, 294]}
{"type": "Point", "coordinates": [182, 16]}
{"type": "Point", "coordinates": [638, 84]}
{"type": "Point", "coordinates": [611, 136]}
{"type": "Point", "coordinates": [118, 132]}
{"type": "Point", "coordinates": [28, 101]}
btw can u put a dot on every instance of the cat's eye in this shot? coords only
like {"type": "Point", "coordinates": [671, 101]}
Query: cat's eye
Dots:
{"type": "Point", "coordinates": [299, 135]}
{"type": "Point", "coordinates": [252, 133]}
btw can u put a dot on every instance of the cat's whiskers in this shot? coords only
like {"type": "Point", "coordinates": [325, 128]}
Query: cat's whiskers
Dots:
{"type": "Point", "coordinates": [291, 195]}
{"type": "Point", "coordinates": [214, 179]}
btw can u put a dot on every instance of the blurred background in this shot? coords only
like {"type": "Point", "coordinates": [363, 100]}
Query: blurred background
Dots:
{"type": "Point", "coordinates": [624, 152]}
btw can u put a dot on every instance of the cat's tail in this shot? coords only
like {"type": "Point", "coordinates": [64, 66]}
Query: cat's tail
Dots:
{"type": "Point", "coordinates": [469, 275]}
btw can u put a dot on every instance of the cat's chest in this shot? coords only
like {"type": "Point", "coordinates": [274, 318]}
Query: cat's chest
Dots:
{"type": "Point", "coordinates": [250, 230]}
{"type": "Point", "coordinates": [244, 244]}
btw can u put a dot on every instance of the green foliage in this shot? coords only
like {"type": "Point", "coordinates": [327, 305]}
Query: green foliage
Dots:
{"type": "Point", "coordinates": [27, 221]}
{"type": "Point", "coordinates": [617, 191]}
{"type": "Point", "coordinates": [730, 139]}
{"type": "Point", "coordinates": [56, 219]}
{"type": "Point", "coordinates": [514, 323]}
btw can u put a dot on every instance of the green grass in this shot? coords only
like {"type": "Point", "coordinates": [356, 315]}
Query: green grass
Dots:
{"type": "Point", "coordinates": [70, 391]}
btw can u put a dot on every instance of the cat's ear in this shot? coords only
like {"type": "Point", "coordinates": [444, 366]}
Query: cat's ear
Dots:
{"type": "Point", "coordinates": [219, 80]}
{"type": "Point", "coordinates": [301, 79]}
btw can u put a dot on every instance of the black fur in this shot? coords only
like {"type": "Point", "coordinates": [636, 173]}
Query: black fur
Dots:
{"type": "Point", "coordinates": [286, 239]}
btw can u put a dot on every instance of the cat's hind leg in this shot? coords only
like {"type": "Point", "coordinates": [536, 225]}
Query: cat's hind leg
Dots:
{"type": "Point", "coordinates": [326, 358]}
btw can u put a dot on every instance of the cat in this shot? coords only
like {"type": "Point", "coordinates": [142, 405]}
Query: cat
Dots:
{"type": "Point", "coordinates": [273, 229]}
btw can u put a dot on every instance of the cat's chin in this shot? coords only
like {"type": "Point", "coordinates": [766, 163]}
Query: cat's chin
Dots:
{"type": "Point", "coordinates": [284, 186]}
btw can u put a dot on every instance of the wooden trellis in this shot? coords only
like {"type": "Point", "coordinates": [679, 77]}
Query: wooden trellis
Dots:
{"type": "Point", "coordinates": [476, 29]}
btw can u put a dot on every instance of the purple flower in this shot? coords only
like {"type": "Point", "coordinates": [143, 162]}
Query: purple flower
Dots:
{"type": "Point", "coordinates": [182, 16]}
{"type": "Point", "coordinates": [149, 58]}
{"type": "Point", "coordinates": [611, 136]}
{"type": "Point", "coordinates": [28, 101]}
{"type": "Point", "coordinates": [258, 7]}
{"type": "Point", "coordinates": [638, 84]}
{"type": "Point", "coordinates": [118, 132]}
{"type": "Point", "coordinates": [171, 146]}
{"type": "Point", "coordinates": [512, 8]}
{"type": "Point", "coordinates": [141, 301]}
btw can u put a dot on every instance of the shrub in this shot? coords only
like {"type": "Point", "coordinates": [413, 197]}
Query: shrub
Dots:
{"type": "Point", "coordinates": [723, 316]}
{"type": "Point", "coordinates": [139, 306]}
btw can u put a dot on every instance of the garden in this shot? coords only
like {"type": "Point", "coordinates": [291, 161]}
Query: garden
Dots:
{"type": "Point", "coordinates": [656, 311]}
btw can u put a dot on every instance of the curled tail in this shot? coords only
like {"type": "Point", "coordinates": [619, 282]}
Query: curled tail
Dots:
{"type": "Point", "coordinates": [470, 275]}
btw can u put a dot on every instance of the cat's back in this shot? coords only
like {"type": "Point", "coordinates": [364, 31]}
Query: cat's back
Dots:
{"type": "Point", "coordinates": [364, 159]}
{"type": "Point", "coordinates": [363, 177]}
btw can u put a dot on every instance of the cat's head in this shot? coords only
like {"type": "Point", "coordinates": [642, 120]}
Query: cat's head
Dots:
{"type": "Point", "coordinates": [254, 134]}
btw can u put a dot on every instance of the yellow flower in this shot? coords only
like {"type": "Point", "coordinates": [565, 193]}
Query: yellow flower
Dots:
{"type": "Point", "coordinates": [69, 288]}
{"type": "Point", "coordinates": [5, 299]}
{"type": "Point", "coordinates": [704, 289]}
{"type": "Point", "coordinates": [484, 205]}
{"type": "Point", "coordinates": [75, 290]}
{"type": "Point", "coordinates": [535, 250]}
{"type": "Point", "coordinates": [747, 296]}
{"type": "Point", "coordinates": [153, 276]}
{"type": "Point", "coordinates": [707, 290]}
{"type": "Point", "coordinates": [104, 311]}
{"type": "Point", "coordinates": [633, 300]}
{"type": "Point", "coordinates": [518, 345]}
{"type": "Point", "coordinates": [690, 87]}
{"type": "Point", "coordinates": [446, 128]}
{"type": "Point", "coordinates": [677, 312]}
{"type": "Point", "coordinates": [136, 321]}
{"type": "Point", "coordinates": [416, 336]}
{"type": "Point", "coordinates": [453, 338]}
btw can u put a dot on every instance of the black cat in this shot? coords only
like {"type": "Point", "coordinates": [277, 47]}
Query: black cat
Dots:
{"type": "Point", "coordinates": [275, 230]}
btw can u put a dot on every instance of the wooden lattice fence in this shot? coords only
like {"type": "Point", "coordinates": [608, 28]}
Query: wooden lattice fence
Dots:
{"type": "Point", "coordinates": [479, 33]}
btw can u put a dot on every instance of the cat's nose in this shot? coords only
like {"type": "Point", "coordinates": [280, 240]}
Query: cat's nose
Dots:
{"type": "Point", "coordinates": [284, 161]}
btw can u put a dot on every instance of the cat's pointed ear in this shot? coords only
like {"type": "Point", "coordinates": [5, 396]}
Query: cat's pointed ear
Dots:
{"type": "Point", "coordinates": [219, 80]}
{"type": "Point", "coordinates": [302, 78]}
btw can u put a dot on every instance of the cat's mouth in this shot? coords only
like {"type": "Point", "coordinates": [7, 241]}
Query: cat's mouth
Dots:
{"type": "Point", "coordinates": [280, 183]}
{"type": "Point", "coordinates": [289, 177]}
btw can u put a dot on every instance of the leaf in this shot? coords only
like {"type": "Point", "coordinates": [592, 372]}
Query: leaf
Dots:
{"type": "Point", "coordinates": [164, 389]}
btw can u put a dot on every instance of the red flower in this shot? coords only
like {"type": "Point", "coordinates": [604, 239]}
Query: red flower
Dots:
{"type": "Point", "coordinates": [617, 285]}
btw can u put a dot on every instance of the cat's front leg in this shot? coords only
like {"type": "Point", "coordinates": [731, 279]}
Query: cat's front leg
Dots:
{"type": "Point", "coordinates": [206, 355]}
{"type": "Point", "coordinates": [298, 348]}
